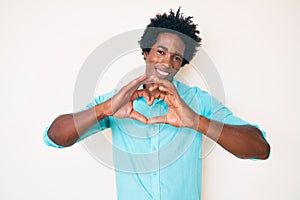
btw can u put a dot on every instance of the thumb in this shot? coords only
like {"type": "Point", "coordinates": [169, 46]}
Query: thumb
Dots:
{"type": "Point", "coordinates": [157, 120]}
{"type": "Point", "coordinates": [138, 116]}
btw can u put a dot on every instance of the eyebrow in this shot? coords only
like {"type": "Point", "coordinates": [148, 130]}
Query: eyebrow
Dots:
{"type": "Point", "coordinates": [165, 48]}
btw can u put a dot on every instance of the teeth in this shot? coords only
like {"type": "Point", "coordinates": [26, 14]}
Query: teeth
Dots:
{"type": "Point", "coordinates": [162, 73]}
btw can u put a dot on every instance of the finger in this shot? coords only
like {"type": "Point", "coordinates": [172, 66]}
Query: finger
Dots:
{"type": "Point", "coordinates": [170, 97]}
{"type": "Point", "coordinates": [150, 79]}
{"type": "Point", "coordinates": [151, 101]}
{"type": "Point", "coordinates": [138, 116]}
{"type": "Point", "coordinates": [165, 83]}
{"type": "Point", "coordinates": [128, 90]}
{"type": "Point", "coordinates": [143, 79]}
{"type": "Point", "coordinates": [143, 93]}
{"type": "Point", "coordinates": [153, 91]}
{"type": "Point", "coordinates": [155, 94]}
{"type": "Point", "coordinates": [149, 82]}
{"type": "Point", "coordinates": [153, 87]}
{"type": "Point", "coordinates": [162, 95]}
{"type": "Point", "coordinates": [160, 81]}
{"type": "Point", "coordinates": [138, 94]}
{"type": "Point", "coordinates": [165, 90]}
{"type": "Point", "coordinates": [157, 120]}
{"type": "Point", "coordinates": [136, 82]}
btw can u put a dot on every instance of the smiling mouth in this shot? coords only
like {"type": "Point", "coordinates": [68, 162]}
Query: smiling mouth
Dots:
{"type": "Point", "coordinates": [162, 72]}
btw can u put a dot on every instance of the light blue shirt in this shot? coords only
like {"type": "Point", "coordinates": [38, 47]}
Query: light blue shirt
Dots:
{"type": "Point", "coordinates": [159, 162]}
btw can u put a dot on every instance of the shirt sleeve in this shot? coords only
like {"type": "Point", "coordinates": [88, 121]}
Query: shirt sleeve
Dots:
{"type": "Point", "coordinates": [213, 109]}
{"type": "Point", "coordinates": [101, 125]}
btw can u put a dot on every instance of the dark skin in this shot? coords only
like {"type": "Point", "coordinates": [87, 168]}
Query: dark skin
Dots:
{"type": "Point", "coordinates": [162, 63]}
{"type": "Point", "coordinates": [67, 129]}
{"type": "Point", "coordinates": [242, 141]}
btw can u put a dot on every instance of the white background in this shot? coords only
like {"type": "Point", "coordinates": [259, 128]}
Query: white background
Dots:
{"type": "Point", "coordinates": [255, 46]}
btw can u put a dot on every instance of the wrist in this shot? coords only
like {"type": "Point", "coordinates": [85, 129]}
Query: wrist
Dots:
{"type": "Point", "coordinates": [103, 110]}
{"type": "Point", "coordinates": [203, 124]}
{"type": "Point", "coordinates": [198, 121]}
{"type": "Point", "coordinates": [193, 123]}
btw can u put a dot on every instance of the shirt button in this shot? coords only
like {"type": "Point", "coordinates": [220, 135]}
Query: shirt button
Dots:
{"type": "Point", "coordinates": [154, 148]}
{"type": "Point", "coordinates": [155, 173]}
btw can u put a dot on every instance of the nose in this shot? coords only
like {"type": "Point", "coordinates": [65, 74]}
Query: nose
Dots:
{"type": "Point", "coordinates": [167, 61]}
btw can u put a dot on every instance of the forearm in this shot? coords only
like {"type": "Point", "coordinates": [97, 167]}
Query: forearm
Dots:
{"type": "Point", "coordinates": [242, 141]}
{"type": "Point", "coordinates": [67, 129]}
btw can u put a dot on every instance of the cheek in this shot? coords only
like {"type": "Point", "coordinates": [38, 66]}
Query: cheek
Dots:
{"type": "Point", "coordinates": [177, 68]}
{"type": "Point", "coordinates": [173, 72]}
{"type": "Point", "coordinates": [153, 57]}
{"type": "Point", "coordinates": [149, 69]}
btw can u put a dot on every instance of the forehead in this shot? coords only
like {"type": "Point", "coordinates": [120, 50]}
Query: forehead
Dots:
{"type": "Point", "coordinates": [170, 41]}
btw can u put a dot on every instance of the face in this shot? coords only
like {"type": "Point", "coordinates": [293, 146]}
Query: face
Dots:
{"type": "Point", "coordinates": [165, 57]}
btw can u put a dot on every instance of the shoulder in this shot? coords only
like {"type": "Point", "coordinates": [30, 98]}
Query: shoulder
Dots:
{"type": "Point", "coordinates": [184, 89]}
{"type": "Point", "coordinates": [200, 100]}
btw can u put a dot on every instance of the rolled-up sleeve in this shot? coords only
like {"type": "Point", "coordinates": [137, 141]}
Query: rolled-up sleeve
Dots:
{"type": "Point", "coordinates": [101, 125]}
{"type": "Point", "coordinates": [215, 110]}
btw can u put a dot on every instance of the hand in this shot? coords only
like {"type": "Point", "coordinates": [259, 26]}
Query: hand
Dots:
{"type": "Point", "coordinates": [179, 113]}
{"type": "Point", "coordinates": [121, 104]}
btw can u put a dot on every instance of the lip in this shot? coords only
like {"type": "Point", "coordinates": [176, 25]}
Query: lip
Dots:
{"type": "Point", "coordinates": [161, 73]}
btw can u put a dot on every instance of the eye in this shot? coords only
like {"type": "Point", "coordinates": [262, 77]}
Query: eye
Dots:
{"type": "Point", "coordinates": [161, 52]}
{"type": "Point", "coordinates": [178, 58]}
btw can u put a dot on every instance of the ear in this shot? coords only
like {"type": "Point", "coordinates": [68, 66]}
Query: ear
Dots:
{"type": "Point", "coordinates": [145, 55]}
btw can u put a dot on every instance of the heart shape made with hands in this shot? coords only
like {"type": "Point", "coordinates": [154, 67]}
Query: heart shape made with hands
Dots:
{"type": "Point", "coordinates": [156, 91]}
{"type": "Point", "coordinates": [121, 104]}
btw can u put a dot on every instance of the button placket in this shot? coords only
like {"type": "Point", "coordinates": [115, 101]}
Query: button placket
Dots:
{"type": "Point", "coordinates": [155, 151]}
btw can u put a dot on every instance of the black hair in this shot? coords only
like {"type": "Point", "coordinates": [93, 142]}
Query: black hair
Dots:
{"type": "Point", "coordinates": [175, 23]}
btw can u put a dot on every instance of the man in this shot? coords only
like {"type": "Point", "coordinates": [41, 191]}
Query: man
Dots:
{"type": "Point", "coordinates": [157, 122]}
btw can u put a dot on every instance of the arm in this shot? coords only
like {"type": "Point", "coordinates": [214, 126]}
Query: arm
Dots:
{"type": "Point", "coordinates": [242, 141]}
{"type": "Point", "coordinates": [67, 129]}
